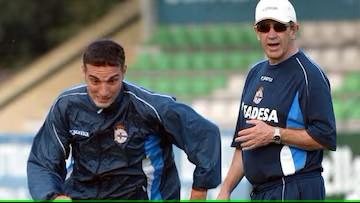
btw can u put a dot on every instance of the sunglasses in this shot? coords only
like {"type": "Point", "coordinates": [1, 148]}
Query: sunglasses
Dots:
{"type": "Point", "coordinates": [265, 27]}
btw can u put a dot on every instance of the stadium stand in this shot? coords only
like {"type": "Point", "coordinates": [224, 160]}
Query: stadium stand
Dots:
{"type": "Point", "coordinates": [200, 57]}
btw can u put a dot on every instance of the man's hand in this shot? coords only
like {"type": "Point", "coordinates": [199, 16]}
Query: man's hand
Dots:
{"type": "Point", "coordinates": [223, 195]}
{"type": "Point", "coordinates": [198, 194]}
{"type": "Point", "coordinates": [260, 134]}
{"type": "Point", "coordinates": [62, 197]}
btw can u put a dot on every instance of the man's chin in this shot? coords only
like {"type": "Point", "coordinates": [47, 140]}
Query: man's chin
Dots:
{"type": "Point", "coordinates": [103, 105]}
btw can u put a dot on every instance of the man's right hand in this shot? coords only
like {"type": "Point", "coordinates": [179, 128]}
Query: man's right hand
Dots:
{"type": "Point", "coordinates": [62, 197]}
{"type": "Point", "coordinates": [223, 196]}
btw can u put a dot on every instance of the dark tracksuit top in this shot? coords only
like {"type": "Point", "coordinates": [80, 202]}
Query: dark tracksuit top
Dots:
{"type": "Point", "coordinates": [292, 94]}
{"type": "Point", "coordinates": [123, 151]}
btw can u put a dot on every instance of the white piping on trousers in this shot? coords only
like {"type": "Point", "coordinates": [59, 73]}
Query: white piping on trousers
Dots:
{"type": "Point", "coordinates": [283, 189]}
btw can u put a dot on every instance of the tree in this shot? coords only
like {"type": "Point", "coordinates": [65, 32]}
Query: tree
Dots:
{"type": "Point", "coordinates": [29, 28]}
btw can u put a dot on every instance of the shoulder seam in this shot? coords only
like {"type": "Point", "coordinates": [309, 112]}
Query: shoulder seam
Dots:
{"type": "Point", "coordinates": [66, 95]}
{"type": "Point", "coordinates": [145, 102]}
{"type": "Point", "coordinates": [305, 75]}
{"type": "Point", "coordinates": [319, 69]}
{"type": "Point", "coordinates": [146, 91]}
{"type": "Point", "coordinates": [58, 139]}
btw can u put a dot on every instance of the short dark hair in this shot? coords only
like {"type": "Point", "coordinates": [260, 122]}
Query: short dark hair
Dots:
{"type": "Point", "coordinates": [104, 52]}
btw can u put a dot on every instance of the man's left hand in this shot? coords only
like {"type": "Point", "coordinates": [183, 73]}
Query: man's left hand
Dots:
{"type": "Point", "coordinates": [260, 134]}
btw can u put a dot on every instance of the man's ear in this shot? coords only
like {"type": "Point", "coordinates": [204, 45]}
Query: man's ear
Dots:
{"type": "Point", "coordinates": [124, 68]}
{"type": "Point", "coordinates": [83, 69]}
{"type": "Point", "coordinates": [257, 36]}
{"type": "Point", "coordinates": [295, 28]}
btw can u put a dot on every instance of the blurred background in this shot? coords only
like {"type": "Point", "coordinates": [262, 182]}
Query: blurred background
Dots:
{"type": "Point", "coordinates": [197, 50]}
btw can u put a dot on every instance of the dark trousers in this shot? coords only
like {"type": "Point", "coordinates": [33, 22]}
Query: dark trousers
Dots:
{"type": "Point", "coordinates": [307, 186]}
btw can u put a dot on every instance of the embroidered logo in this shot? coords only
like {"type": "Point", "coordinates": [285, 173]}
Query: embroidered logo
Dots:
{"type": "Point", "coordinates": [120, 135]}
{"type": "Point", "coordinates": [79, 132]}
{"type": "Point", "coordinates": [258, 95]}
{"type": "Point", "coordinates": [266, 78]}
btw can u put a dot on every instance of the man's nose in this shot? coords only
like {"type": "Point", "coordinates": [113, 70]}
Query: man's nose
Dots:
{"type": "Point", "coordinates": [272, 31]}
{"type": "Point", "coordinates": [104, 90]}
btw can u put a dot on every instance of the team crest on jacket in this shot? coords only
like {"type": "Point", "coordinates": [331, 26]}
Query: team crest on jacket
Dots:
{"type": "Point", "coordinates": [259, 95]}
{"type": "Point", "coordinates": [120, 135]}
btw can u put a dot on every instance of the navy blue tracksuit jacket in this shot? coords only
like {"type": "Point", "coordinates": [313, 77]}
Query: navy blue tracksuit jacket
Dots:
{"type": "Point", "coordinates": [123, 151]}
